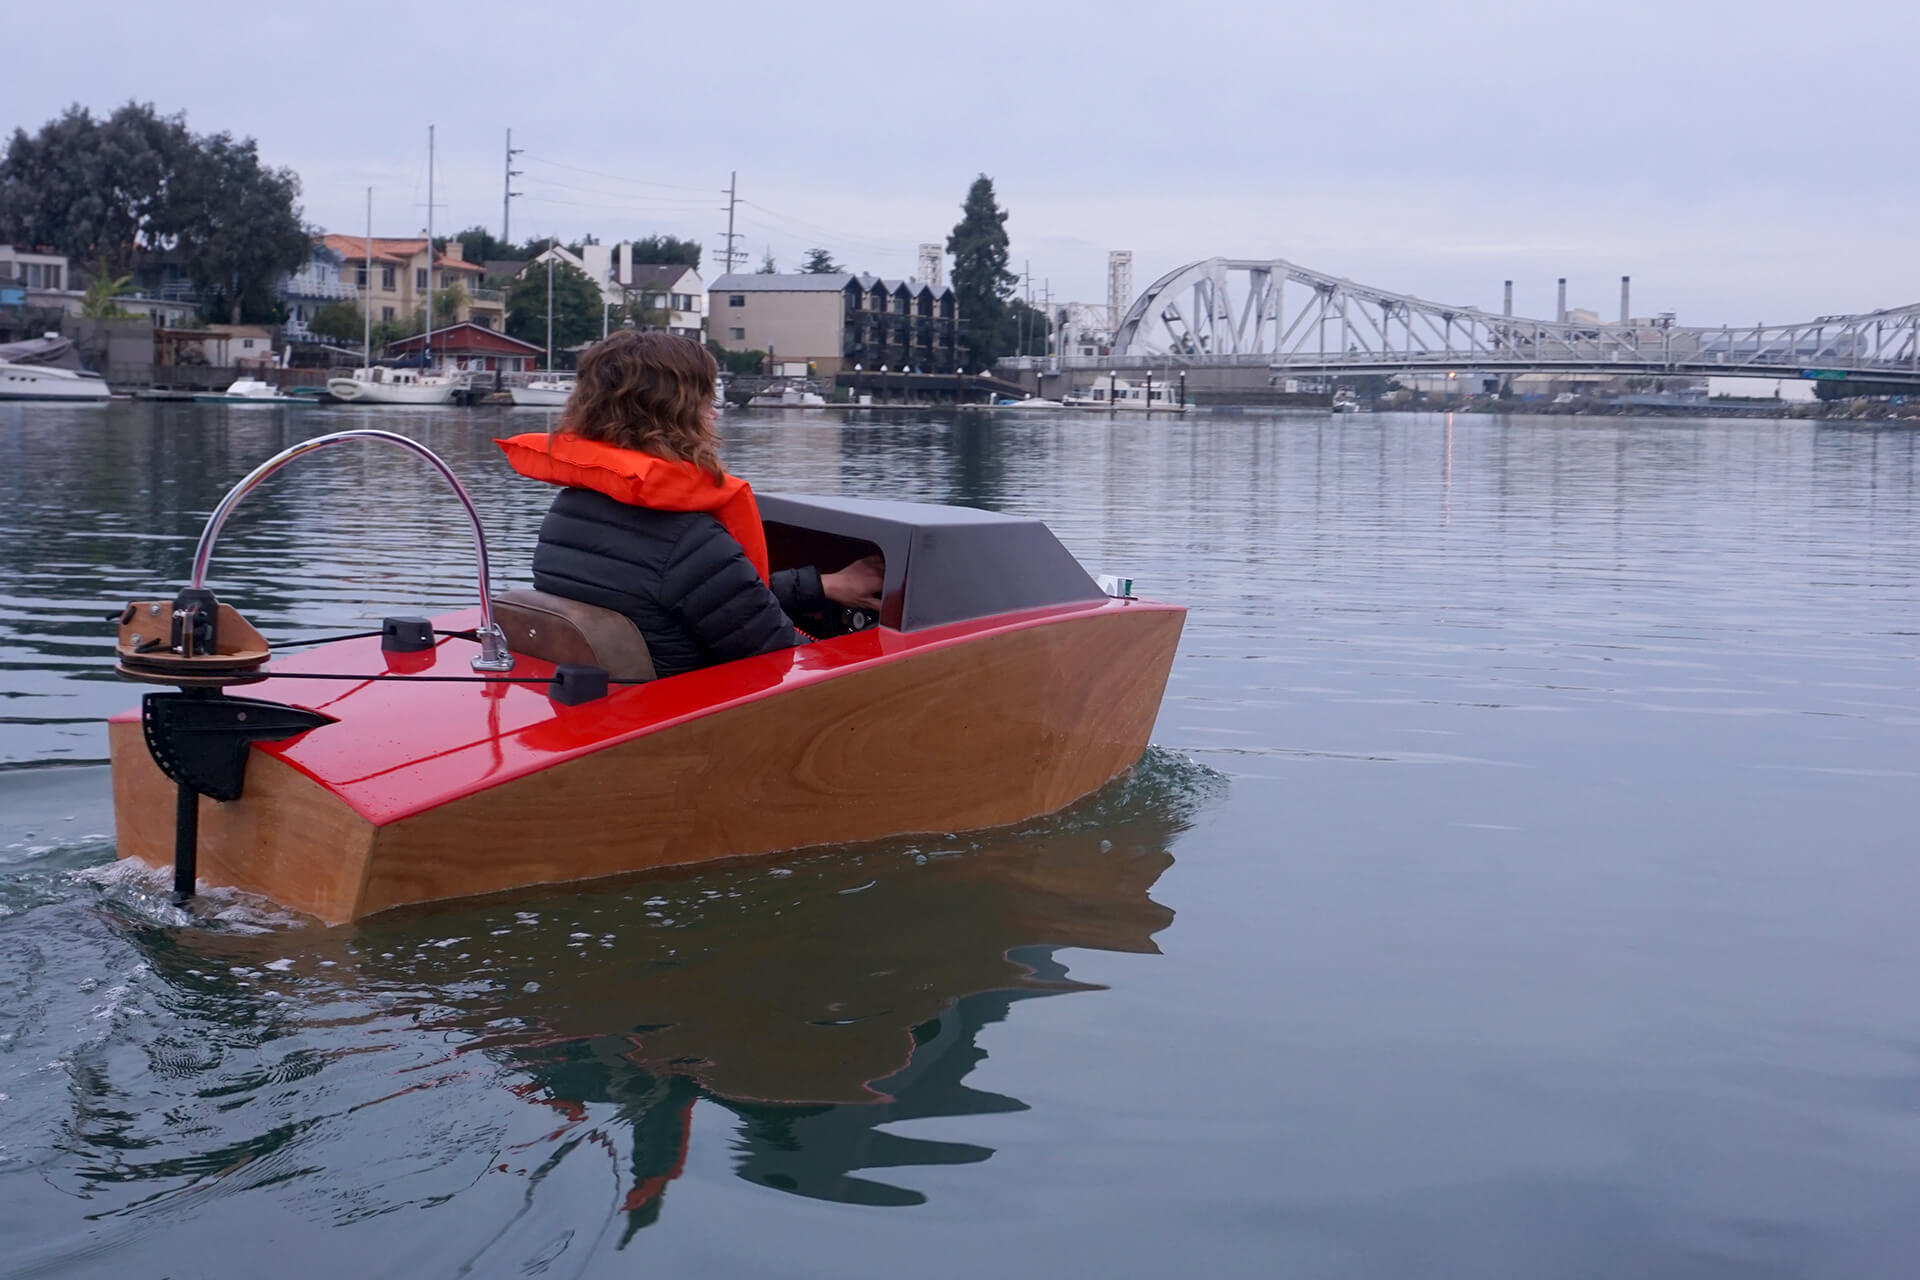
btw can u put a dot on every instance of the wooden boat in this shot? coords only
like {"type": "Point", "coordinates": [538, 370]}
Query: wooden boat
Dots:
{"type": "Point", "coordinates": [996, 683]}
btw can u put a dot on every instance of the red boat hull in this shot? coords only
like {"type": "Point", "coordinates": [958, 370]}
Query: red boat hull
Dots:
{"type": "Point", "coordinates": [424, 791]}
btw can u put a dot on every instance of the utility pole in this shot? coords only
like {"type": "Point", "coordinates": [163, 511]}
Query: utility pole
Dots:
{"type": "Point", "coordinates": [1026, 317]}
{"type": "Point", "coordinates": [733, 198]}
{"type": "Point", "coordinates": [506, 200]}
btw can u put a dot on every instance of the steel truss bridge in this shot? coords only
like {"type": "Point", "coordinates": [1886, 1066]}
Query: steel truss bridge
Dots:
{"type": "Point", "coordinates": [1224, 312]}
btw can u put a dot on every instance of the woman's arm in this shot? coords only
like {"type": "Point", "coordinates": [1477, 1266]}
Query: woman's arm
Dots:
{"type": "Point", "coordinates": [799, 591]}
{"type": "Point", "coordinates": [717, 592]}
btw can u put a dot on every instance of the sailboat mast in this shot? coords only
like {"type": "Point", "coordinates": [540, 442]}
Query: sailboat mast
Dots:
{"type": "Point", "coordinates": [366, 291]}
{"type": "Point", "coordinates": [426, 344]}
{"type": "Point", "coordinates": [549, 308]}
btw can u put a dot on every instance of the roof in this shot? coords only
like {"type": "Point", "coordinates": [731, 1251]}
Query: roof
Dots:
{"type": "Point", "coordinates": [503, 268]}
{"type": "Point", "coordinates": [389, 250]}
{"type": "Point", "coordinates": [657, 275]}
{"type": "Point", "coordinates": [915, 287]}
{"type": "Point", "coordinates": [467, 336]}
{"type": "Point", "coordinates": [797, 282]}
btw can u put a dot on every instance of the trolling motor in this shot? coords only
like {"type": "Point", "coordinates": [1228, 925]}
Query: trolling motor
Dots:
{"type": "Point", "coordinates": [199, 736]}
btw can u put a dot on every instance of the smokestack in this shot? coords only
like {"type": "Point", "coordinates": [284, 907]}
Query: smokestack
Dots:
{"type": "Point", "coordinates": [1509, 297]}
{"type": "Point", "coordinates": [1561, 316]}
{"type": "Point", "coordinates": [1625, 314]}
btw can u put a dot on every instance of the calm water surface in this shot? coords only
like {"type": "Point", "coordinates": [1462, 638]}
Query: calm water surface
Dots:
{"type": "Point", "coordinates": [1522, 884]}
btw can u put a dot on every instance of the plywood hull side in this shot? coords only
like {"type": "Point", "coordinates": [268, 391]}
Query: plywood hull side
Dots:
{"type": "Point", "coordinates": [287, 838]}
{"type": "Point", "coordinates": [996, 730]}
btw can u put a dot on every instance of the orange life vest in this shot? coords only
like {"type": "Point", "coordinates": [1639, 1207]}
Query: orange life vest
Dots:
{"type": "Point", "coordinates": [641, 480]}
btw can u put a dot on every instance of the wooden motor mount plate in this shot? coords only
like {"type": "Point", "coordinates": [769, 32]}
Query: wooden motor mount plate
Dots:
{"type": "Point", "coordinates": [241, 648]}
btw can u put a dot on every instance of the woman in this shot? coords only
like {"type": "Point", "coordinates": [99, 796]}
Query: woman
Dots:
{"type": "Point", "coordinates": [650, 524]}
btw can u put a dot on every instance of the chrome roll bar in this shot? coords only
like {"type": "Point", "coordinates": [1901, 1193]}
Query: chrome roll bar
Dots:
{"type": "Point", "coordinates": [494, 655]}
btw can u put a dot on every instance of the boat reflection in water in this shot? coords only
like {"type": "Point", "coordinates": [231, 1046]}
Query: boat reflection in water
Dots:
{"type": "Point", "coordinates": [817, 999]}
{"type": "Point", "coordinates": [845, 995]}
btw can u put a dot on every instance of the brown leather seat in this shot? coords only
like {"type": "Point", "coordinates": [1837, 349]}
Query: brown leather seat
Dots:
{"type": "Point", "coordinates": [556, 629]}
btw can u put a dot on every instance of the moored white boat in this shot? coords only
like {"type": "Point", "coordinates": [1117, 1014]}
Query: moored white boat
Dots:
{"type": "Point", "coordinates": [549, 393]}
{"type": "Point", "coordinates": [380, 385]}
{"type": "Point", "coordinates": [47, 369]}
{"type": "Point", "coordinates": [250, 390]}
{"type": "Point", "coordinates": [1154, 395]}
{"type": "Point", "coordinates": [787, 395]}
{"type": "Point", "coordinates": [1031, 402]}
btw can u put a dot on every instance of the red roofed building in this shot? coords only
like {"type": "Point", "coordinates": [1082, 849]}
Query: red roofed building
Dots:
{"type": "Point", "coordinates": [472, 348]}
{"type": "Point", "coordinates": [394, 285]}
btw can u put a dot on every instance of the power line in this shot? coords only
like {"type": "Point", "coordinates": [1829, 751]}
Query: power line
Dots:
{"type": "Point", "coordinates": [626, 196]}
{"type": "Point", "coordinates": [614, 177]}
{"type": "Point", "coordinates": [813, 228]}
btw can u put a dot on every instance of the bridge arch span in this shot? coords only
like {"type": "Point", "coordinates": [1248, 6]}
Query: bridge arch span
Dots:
{"type": "Point", "coordinates": [1236, 311]}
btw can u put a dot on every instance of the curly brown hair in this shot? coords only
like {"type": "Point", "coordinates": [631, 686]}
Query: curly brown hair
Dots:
{"type": "Point", "coordinates": [650, 392]}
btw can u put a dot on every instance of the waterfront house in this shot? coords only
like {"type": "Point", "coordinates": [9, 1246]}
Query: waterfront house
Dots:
{"type": "Point", "coordinates": [671, 293]}
{"type": "Point", "coordinates": [671, 288]}
{"type": "Point", "coordinates": [248, 346]}
{"type": "Point", "coordinates": [316, 284]}
{"type": "Point", "coordinates": [472, 349]}
{"type": "Point", "coordinates": [48, 285]}
{"type": "Point", "coordinates": [836, 320]}
{"type": "Point", "coordinates": [394, 285]}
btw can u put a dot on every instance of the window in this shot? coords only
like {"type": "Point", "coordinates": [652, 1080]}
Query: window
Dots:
{"type": "Point", "coordinates": [736, 335]}
{"type": "Point", "coordinates": [658, 301]}
{"type": "Point", "coordinates": [682, 302]}
{"type": "Point", "coordinates": [736, 299]}
{"type": "Point", "coordinates": [246, 344]}
{"type": "Point", "coordinates": [360, 276]}
{"type": "Point", "coordinates": [386, 281]}
{"type": "Point", "coordinates": [386, 315]}
{"type": "Point", "coordinates": [420, 278]}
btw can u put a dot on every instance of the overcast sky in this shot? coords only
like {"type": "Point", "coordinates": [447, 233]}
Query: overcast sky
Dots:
{"type": "Point", "coordinates": [1743, 160]}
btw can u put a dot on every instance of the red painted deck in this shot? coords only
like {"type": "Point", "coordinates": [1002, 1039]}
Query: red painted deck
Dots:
{"type": "Point", "coordinates": [404, 747]}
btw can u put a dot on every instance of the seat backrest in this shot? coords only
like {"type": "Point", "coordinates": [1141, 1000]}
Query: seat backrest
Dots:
{"type": "Point", "coordinates": [556, 629]}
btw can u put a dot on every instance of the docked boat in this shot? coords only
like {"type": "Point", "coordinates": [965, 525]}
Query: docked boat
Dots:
{"type": "Point", "coordinates": [250, 390]}
{"type": "Point", "coordinates": [1116, 395]}
{"type": "Point", "coordinates": [996, 682]}
{"type": "Point", "coordinates": [546, 392]}
{"type": "Point", "coordinates": [383, 385]}
{"type": "Point", "coordinates": [787, 395]}
{"type": "Point", "coordinates": [1031, 402]}
{"type": "Point", "coordinates": [47, 369]}
{"type": "Point", "coordinates": [1344, 401]}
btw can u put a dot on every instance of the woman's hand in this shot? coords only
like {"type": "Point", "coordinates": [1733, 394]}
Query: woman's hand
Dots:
{"type": "Point", "coordinates": [858, 585]}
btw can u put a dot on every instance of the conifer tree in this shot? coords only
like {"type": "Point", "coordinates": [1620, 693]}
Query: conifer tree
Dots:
{"type": "Point", "coordinates": [981, 281]}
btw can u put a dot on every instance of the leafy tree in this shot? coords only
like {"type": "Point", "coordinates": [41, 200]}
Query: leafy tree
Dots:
{"type": "Point", "coordinates": [643, 309]}
{"type": "Point", "coordinates": [981, 281]}
{"type": "Point", "coordinates": [477, 245]}
{"type": "Point", "coordinates": [667, 250]}
{"type": "Point", "coordinates": [1023, 330]}
{"type": "Point", "coordinates": [447, 303]}
{"type": "Point", "coordinates": [386, 331]}
{"type": "Point", "coordinates": [341, 321]}
{"type": "Point", "coordinates": [820, 263]}
{"type": "Point", "coordinates": [576, 307]}
{"type": "Point", "coordinates": [739, 363]}
{"type": "Point", "coordinates": [108, 190]}
{"type": "Point", "coordinates": [768, 266]}
{"type": "Point", "coordinates": [98, 303]}
{"type": "Point", "coordinates": [239, 230]}
{"type": "Point", "coordinates": [93, 189]}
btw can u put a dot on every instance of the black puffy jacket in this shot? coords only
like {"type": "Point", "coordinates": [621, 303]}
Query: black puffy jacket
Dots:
{"type": "Point", "coordinates": [678, 574]}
